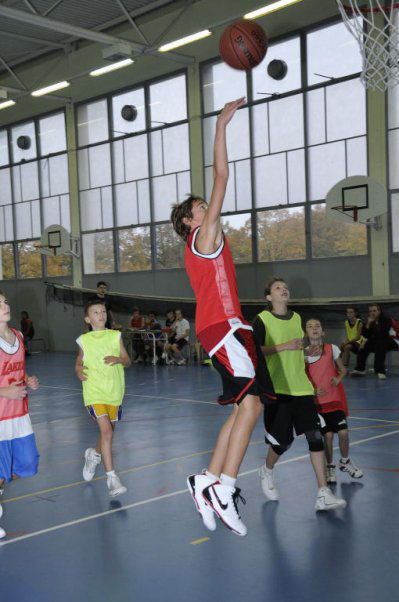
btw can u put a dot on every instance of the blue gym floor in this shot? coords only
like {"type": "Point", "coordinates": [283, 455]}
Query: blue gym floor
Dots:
{"type": "Point", "coordinates": [67, 541]}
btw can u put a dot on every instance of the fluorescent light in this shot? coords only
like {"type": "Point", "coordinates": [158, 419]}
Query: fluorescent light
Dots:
{"type": "Point", "coordinates": [270, 8]}
{"type": "Point", "coordinates": [6, 104]}
{"type": "Point", "coordinates": [111, 67]}
{"type": "Point", "coordinates": [186, 40]}
{"type": "Point", "coordinates": [49, 89]}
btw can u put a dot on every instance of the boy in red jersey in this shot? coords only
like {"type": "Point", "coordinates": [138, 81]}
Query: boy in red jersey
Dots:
{"type": "Point", "coordinates": [225, 336]}
{"type": "Point", "coordinates": [326, 370]}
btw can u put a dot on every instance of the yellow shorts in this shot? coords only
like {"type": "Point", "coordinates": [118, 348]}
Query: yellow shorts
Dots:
{"type": "Point", "coordinates": [98, 410]}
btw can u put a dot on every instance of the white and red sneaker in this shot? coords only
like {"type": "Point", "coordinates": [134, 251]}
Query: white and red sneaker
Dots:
{"type": "Point", "coordinates": [196, 483]}
{"type": "Point", "coordinates": [223, 500]}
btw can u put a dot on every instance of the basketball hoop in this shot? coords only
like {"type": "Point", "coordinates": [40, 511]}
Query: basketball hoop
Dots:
{"type": "Point", "coordinates": [375, 27]}
{"type": "Point", "coordinates": [354, 209]}
{"type": "Point", "coordinates": [46, 249]}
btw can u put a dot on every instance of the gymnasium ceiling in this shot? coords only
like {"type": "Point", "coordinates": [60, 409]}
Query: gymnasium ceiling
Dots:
{"type": "Point", "coordinates": [43, 41]}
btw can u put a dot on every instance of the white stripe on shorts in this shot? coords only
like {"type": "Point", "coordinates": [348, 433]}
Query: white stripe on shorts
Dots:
{"type": "Point", "coordinates": [239, 359]}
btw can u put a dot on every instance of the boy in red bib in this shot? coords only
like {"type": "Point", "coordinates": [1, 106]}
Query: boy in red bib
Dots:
{"type": "Point", "coordinates": [225, 336]}
{"type": "Point", "coordinates": [326, 370]}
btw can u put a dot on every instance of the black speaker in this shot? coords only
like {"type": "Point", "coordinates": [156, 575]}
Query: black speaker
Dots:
{"type": "Point", "coordinates": [23, 142]}
{"type": "Point", "coordinates": [277, 69]}
{"type": "Point", "coordinates": [129, 112]}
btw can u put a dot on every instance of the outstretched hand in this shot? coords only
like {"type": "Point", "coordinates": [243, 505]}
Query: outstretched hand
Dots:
{"type": "Point", "coordinates": [226, 115]}
{"type": "Point", "coordinates": [32, 382]}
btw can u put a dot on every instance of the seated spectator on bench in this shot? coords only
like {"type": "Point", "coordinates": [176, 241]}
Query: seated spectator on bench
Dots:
{"type": "Point", "coordinates": [181, 330]}
{"type": "Point", "coordinates": [353, 330]}
{"type": "Point", "coordinates": [136, 323]}
{"type": "Point", "coordinates": [376, 331]}
{"type": "Point", "coordinates": [27, 330]}
{"type": "Point", "coordinates": [153, 326]}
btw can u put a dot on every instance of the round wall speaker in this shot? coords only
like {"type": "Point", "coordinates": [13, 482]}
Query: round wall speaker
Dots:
{"type": "Point", "coordinates": [23, 142]}
{"type": "Point", "coordinates": [129, 112]}
{"type": "Point", "coordinates": [277, 69]}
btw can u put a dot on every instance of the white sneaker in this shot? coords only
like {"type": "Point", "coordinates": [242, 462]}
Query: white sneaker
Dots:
{"type": "Point", "coordinates": [358, 373]}
{"type": "Point", "coordinates": [330, 474]}
{"type": "Point", "coordinates": [2, 533]}
{"type": "Point", "coordinates": [381, 376]}
{"type": "Point", "coordinates": [181, 363]}
{"type": "Point", "coordinates": [267, 483]}
{"type": "Point", "coordinates": [351, 469]}
{"type": "Point", "coordinates": [2, 489]}
{"type": "Point", "coordinates": [223, 500]}
{"type": "Point", "coordinates": [196, 483]}
{"type": "Point", "coordinates": [92, 460]}
{"type": "Point", "coordinates": [326, 500]}
{"type": "Point", "coordinates": [1, 510]}
{"type": "Point", "coordinates": [115, 486]}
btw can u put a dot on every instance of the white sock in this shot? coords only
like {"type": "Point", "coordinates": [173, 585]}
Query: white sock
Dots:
{"type": "Point", "coordinates": [227, 481]}
{"type": "Point", "coordinates": [345, 460]}
{"type": "Point", "coordinates": [111, 473]}
{"type": "Point", "coordinates": [211, 476]}
{"type": "Point", "coordinates": [269, 470]}
{"type": "Point", "coordinates": [97, 454]}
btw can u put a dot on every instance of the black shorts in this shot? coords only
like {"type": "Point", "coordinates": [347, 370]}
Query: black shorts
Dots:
{"type": "Point", "coordinates": [181, 343]}
{"type": "Point", "coordinates": [287, 414]}
{"type": "Point", "coordinates": [334, 422]}
{"type": "Point", "coordinates": [238, 362]}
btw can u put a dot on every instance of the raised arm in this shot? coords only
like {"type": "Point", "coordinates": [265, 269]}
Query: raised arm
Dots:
{"type": "Point", "coordinates": [210, 234]}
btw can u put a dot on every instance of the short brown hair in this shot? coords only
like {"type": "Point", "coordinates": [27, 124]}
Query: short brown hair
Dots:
{"type": "Point", "coordinates": [92, 302]}
{"type": "Point", "coordinates": [269, 285]}
{"type": "Point", "coordinates": [181, 211]}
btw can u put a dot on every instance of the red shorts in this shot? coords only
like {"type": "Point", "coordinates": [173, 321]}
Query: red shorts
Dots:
{"type": "Point", "coordinates": [242, 368]}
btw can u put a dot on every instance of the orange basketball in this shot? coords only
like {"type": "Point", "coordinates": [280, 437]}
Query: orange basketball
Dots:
{"type": "Point", "coordinates": [243, 45]}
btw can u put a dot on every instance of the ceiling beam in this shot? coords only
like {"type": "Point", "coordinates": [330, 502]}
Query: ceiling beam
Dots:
{"type": "Point", "coordinates": [132, 21]}
{"type": "Point", "coordinates": [23, 38]}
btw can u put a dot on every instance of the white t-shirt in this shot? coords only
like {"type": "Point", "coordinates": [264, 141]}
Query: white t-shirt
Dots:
{"type": "Point", "coordinates": [180, 327]}
{"type": "Point", "coordinates": [310, 359]}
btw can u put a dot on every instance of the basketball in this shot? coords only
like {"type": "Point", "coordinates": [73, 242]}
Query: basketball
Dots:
{"type": "Point", "coordinates": [243, 45]}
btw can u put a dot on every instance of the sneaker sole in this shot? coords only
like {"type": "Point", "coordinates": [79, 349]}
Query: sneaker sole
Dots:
{"type": "Point", "coordinates": [351, 475]}
{"type": "Point", "coordinates": [117, 492]}
{"type": "Point", "coordinates": [331, 507]}
{"type": "Point", "coordinates": [209, 502]}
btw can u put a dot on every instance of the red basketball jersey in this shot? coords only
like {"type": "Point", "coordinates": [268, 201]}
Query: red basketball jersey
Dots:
{"type": "Point", "coordinates": [320, 373]}
{"type": "Point", "coordinates": [213, 279]}
{"type": "Point", "coordinates": [12, 370]}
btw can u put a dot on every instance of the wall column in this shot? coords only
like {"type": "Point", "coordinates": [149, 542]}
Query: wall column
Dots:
{"type": "Point", "coordinates": [195, 129]}
{"type": "Point", "coordinates": [73, 188]}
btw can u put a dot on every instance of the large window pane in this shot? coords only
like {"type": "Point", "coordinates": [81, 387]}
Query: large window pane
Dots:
{"type": "Point", "coordinates": [165, 194]}
{"type": "Point", "coordinates": [134, 249]}
{"type": "Point", "coordinates": [393, 139]}
{"type": "Point", "coordinates": [260, 129]}
{"type": "Point", "coordinates": [7, 264]}
{"type": "Point", "coordinates": [55, 210]}
{"type": "Point", "coordinates": [30, 260]}
{"type": "Point", "coordinates": [96, 209]}
{"type": "Point", "coordinates": [393, 110]}
{"type": "Point", "coordinates": [221, 84]}
{"type": "Point", "coordinates": [238, 229]}
{"type": "Point", "coordinates": [4, 155]}
{"type": "Point", "coordinates": [54, 175]}
{"type": "Point", "coordinates": [24, 129]}
{"type": "Point", "coordinates": [332, 52]}
{"type": "Point", "coordinates": [288, 51]}
{"type": "Point", "coordinates": [286, 123]}
{"type": "Point", "coordinates": [168, 102]}
{"type": "Point", "coordinates": [170, 150]}
{"type": "Point", "coordinates": [327, 167]}
{"type": "Point", "coordinates": [281, 234]}
{"type": "Point", "coordinates": [6, 223]}
{"type": "Point", "coordinates": [52, 135]}
{"type": "Point", "coordinates": [5, 187]}
{"type": "Point", "coordinates": [332, 238]}
{"type": "Point", "coordinates": [237, 137]}
{"type": "Point", "coordinates": [92, 121]}
{"type": "Point", "coordinates": [27, 217]}
{"type": "Point", "coordinates": [346, 110]}
{"type": "Point", "coordinates": [133, 98]}
{"type": "Point", "coordinates": [271, 180]}
{"type": "Point", "coordinates": [59, 266]}
{"type": "Point", "coordinates": [98, 253]}
{"type": "Point", "coordinates": [170, 248]}
{"type": "Point", "coordinates": [130, 157]}
{"type": "Point", "coordinates": [356, 151]}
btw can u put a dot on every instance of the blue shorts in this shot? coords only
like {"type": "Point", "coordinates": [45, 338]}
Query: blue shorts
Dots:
{"type": "Point", "coordinates": [19, 457]}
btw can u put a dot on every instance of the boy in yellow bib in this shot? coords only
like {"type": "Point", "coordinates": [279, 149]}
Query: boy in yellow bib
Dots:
{"type": "Point", "coordinates": [279, 332]}
{"type": "Point", "coordinates": [100, 367]}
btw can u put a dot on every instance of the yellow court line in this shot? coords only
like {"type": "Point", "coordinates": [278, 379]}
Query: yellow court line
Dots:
{"type": "Point", "coordinates": [198, 541]}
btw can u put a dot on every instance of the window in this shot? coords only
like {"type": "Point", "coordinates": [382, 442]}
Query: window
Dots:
{"type": "Point", "coordinates": [26, 130]}
{"type": "Point", "coordinates": [170, 248]}
{"type": "Point", "coordinates": [221, 84]}
{"type": "Point", "coordinates": [288, 51]}
{"type": "Point", "coordinates": [92, 122]}
{"type": "Point", "coordinates": [98, 252]}
{"type": "Point", "coordinates": [332, 238]}
{"type": "Point", "coordinates": [4, 154]}
{"type": "Point", "coordinates": [29, 259]}
{"type": "Point", "coordinates": [168, 101]}
{"type": "Point", "coordinates": [52, 134]}
{"type": "Point", "coordinates": [332, 53]}
{"type": "Point", "coordinates": [281, 234]}
{"type": "Point", "coordinates": [134, 249]}
{"type": "Point", "coordinates": [238, 229]}
{"type": "Point", "coordinates": [58, 266]}
{"type": "Point", "coordinates": [122, 126]}
{"type": "Point", "coordinates": [7, 264]}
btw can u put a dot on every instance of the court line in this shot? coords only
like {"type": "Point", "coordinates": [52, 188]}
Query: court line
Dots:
{"type": "Point", "coordinates": [159, 498]}
{"type": "Point", "coordinates": [373, 419]}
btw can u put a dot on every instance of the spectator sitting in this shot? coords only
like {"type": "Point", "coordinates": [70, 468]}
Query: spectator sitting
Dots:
{"type": "Point", "coordinates": [181, 330]}
{"type": "Point", "coordinates": [152, 326]}
{"type": "Point", "coordinates": [354, 340]}
{"type": "Point", "coordinates": [394, 332]}
{"type": "Point", "coordinates": [378, 341]}
{"type": "Point", "coordinates": [28, 331]}
{"type": "Point", "coordinates": [137, 323]}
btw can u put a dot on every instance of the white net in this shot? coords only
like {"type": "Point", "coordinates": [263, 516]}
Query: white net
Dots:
{"type": "Point", "coordinates": [375, 26]}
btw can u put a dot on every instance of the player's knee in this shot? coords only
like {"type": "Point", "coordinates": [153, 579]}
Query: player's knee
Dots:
{"type": "Point", "coordinates": [279, 449]}
{"type": "Point", "coordinates": [315, 441]}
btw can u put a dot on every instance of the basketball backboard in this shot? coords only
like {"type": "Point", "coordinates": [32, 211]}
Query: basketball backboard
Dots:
{"type": "Point", "coordinates": [357, 199]}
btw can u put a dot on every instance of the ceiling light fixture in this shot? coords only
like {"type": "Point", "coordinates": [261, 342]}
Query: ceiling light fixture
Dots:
{"type": "Point", "coordinates": [50, 89]}
{"type": "Point", "coordinates": [111, 67]}
{"type": "Point", "coordinates": [270, 8]}
{"type": "Point", "coordinates": [6, 104]}
{"type": "Point", "coordinates": [200, 35]}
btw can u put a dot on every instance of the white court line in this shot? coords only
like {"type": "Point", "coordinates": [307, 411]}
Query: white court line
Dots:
{"type": "Point", "coordinates": [373, 419]}
{"type": "Point", "coordinates": [162, 497]}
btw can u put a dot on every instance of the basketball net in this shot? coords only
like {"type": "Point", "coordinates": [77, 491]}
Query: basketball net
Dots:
{"type": "Point", "coordinates": [375, 26]}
